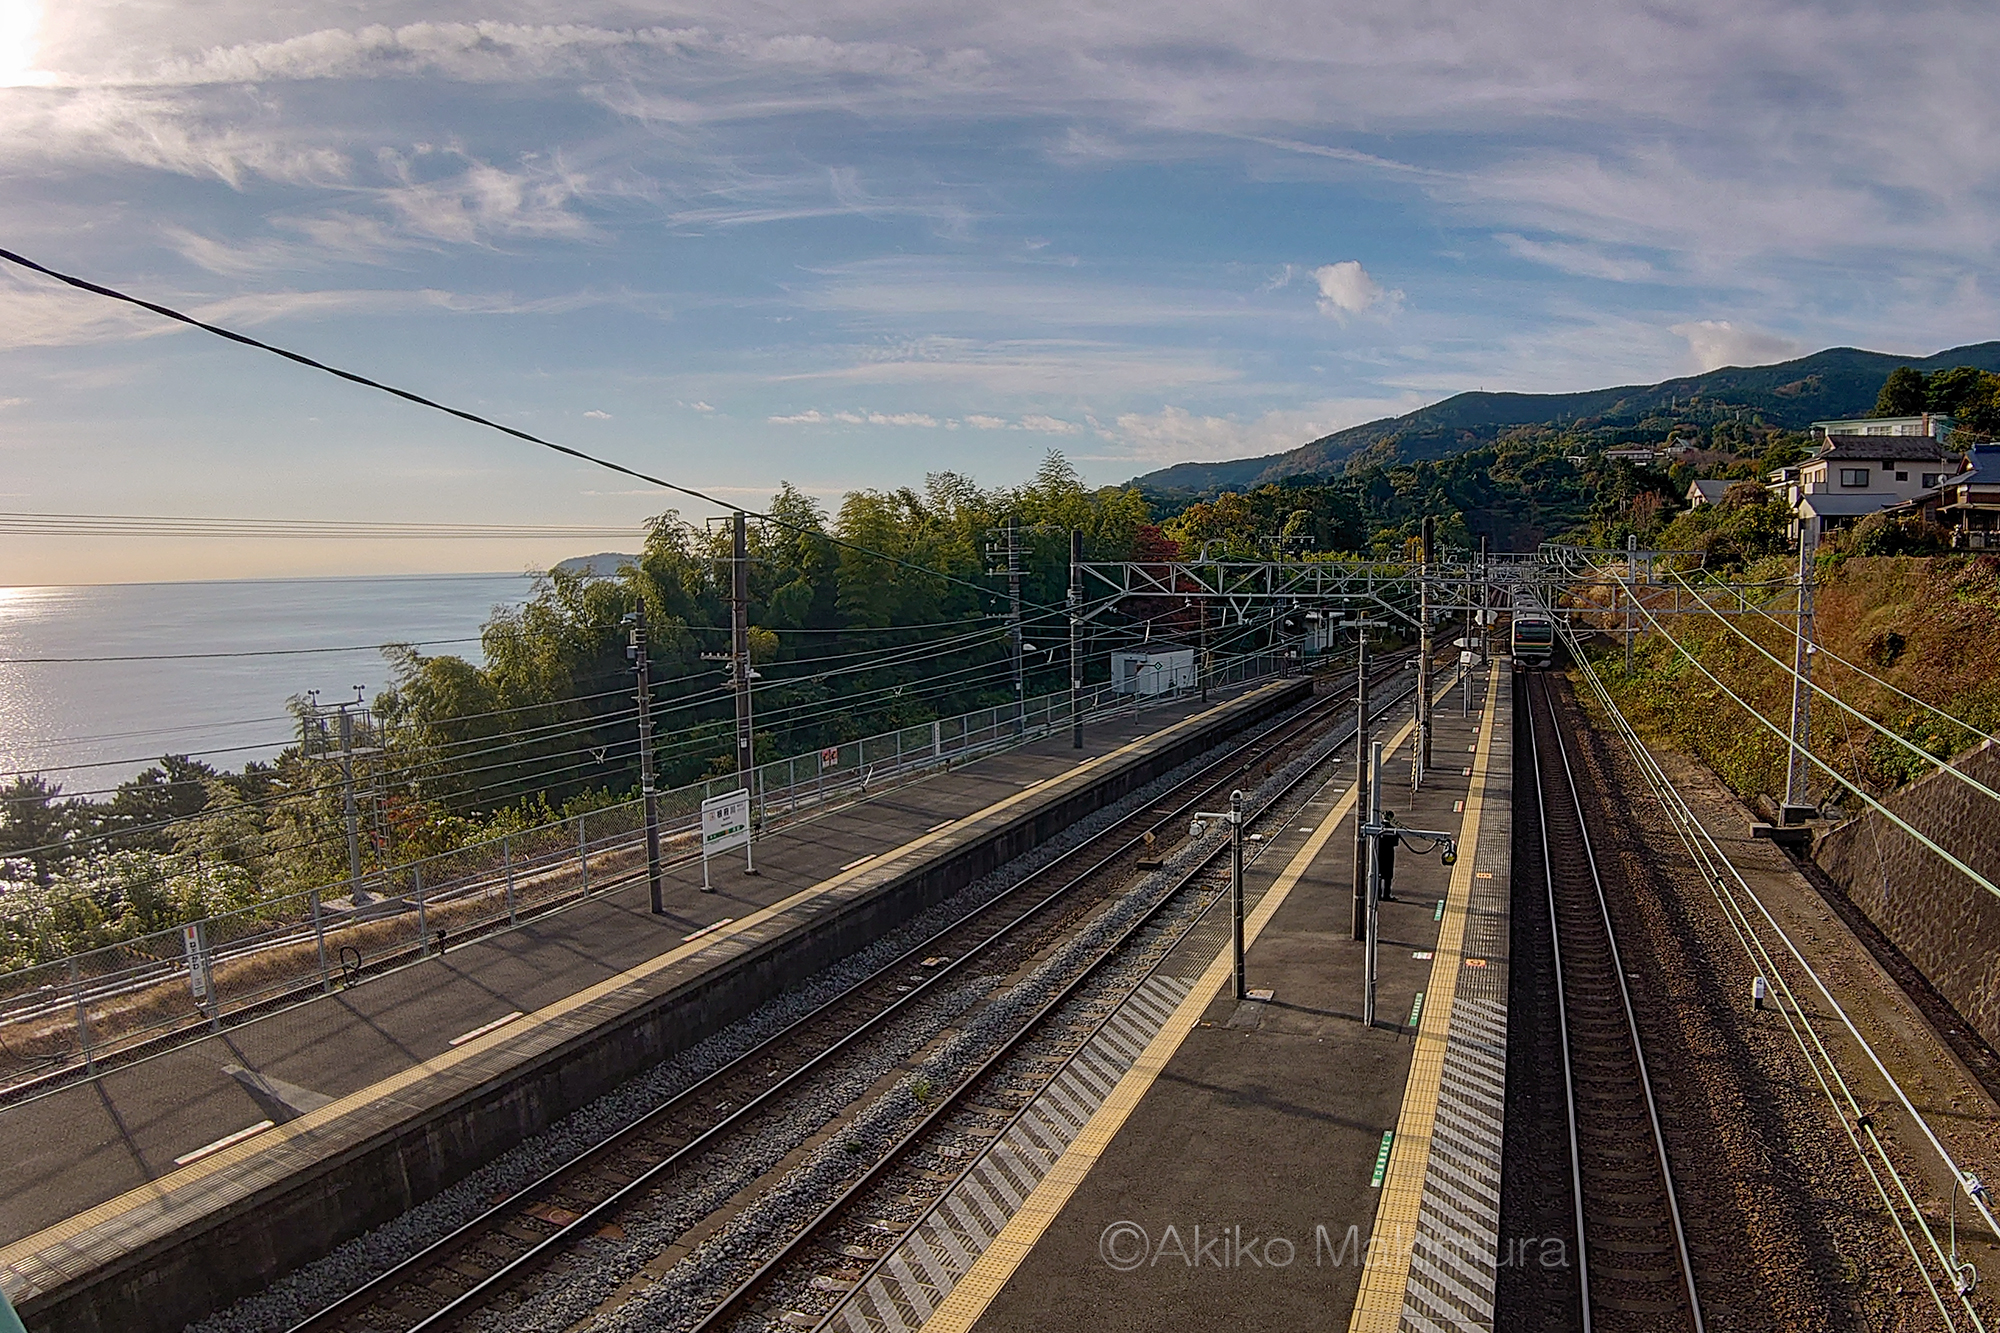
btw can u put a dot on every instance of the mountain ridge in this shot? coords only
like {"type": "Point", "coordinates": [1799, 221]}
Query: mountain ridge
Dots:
{"type": "Point", "coordinates": [1832, 383]}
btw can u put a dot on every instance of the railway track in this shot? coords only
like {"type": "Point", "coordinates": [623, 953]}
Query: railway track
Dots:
{"type": "Point", "coordinates": [1632, 1263]}
{"type": "Point", "coordinates": [502, 1251]}
{"type": "Point", "coordinates": [990, 1100]}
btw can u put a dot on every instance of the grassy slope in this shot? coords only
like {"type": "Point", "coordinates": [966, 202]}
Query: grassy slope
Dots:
{"type": "Point", "coordinates": [1944, 609]}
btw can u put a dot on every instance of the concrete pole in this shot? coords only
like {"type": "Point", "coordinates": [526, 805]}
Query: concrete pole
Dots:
{"type": "Point", "coordinates": [739, 645]}
{"type": "Point", "coordinates": [1797, 769]}
{"type": "Point", "coordinates": [1201, 668]}
{"type": "Point", "coordinates": [1236, 886]}
{"type": "Point", "coordinates": [1631, 595]}
{"type": "Point", "coordinates": [642, 666]}
{"type": "Point", "coordinates": [348, 810]}
{"type": "Point", "coordinates": [1373, 814]}
{"type": "Point", "coordinates": [1360, 782]}
{"type": "Point", "coordinates": [1014, 635]}
{"type": "Point", "coordinates": [1076, 638]}
{"type": "Point", "coordinates": [1424, 648]}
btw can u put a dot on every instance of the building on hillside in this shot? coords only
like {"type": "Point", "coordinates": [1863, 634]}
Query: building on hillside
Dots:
{"type": "Point", "coordinates": [1967, 502]}
{"type": "Point", "coordinates": [1851, 476]}
{"type": "Point", "coordinates": [1930, 423]}
{"type": "Point", "coordinates": [1783, 483]}
{"type": "Point", "coordinates": [1708, 491]}
{"type": "Point", "coordinates": [1638, 455]}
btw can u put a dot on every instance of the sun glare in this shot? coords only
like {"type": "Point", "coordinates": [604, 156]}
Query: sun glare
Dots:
{"type": "Point", "coordinates": [20, 29]}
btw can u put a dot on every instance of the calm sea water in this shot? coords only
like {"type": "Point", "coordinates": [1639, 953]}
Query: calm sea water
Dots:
{"type": "Point", "coordinates": [89, 725]}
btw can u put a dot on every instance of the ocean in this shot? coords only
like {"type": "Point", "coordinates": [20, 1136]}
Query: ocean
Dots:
{"type": "Point", "coordinates": [91, 724]}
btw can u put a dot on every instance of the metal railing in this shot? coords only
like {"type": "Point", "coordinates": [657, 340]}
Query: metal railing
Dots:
{"type": "Point", "coordinates": [65, 1018]}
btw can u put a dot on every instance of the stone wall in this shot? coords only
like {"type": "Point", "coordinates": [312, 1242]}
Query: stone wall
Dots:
{"type": "Point", "coordinates": [1943, 922]}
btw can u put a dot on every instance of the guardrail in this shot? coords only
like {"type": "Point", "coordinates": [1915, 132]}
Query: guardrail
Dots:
{"type": "Point", "coordinates": [67, 1018]}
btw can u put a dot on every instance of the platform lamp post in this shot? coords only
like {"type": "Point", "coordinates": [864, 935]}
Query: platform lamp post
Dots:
{"type": "Point", "coordinates": [1234, 818]}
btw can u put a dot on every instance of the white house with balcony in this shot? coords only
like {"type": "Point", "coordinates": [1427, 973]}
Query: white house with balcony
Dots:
{"type": "Point", "coordinates": [1929, 423]}
{"type": "Point", "coordinates": [1854, 475]}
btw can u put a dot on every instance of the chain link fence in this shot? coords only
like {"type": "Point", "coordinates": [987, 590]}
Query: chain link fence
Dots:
{"type": "Point", "coordinates": [63, 1019]}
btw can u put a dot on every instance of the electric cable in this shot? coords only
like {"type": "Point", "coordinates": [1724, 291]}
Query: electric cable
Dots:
{"type": "Point", "coordinates": [299, 358]}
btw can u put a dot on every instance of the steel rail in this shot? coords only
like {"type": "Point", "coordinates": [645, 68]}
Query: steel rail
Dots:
{"type": "Point", "coordinates": [456, 1240]}
{"type": "Point", "coordinates": [1686, 1262]}
{"type": "Point", "coordinates": [732, 1304]}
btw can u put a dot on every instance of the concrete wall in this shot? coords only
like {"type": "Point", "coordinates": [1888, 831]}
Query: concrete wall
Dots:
{"type": "Point", "coordinates": [233, 1252]}
{"type": "Point", "coordinates": [1945, 924]}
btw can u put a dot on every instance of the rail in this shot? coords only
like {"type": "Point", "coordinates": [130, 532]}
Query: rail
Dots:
{"type": "Point", "coordinates": [76, 1015]}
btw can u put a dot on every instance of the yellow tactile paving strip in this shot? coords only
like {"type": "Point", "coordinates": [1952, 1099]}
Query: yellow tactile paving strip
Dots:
{"type": "Point", "coordinates": [1378, 1308]}
{"type": "Point", "coordinates": [58, 1253]}
{"type": "Point", "coordinates": [977, 1289]}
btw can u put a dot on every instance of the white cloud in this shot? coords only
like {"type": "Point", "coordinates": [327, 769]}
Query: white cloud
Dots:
{"type": "Point", "coordinates": [596, 415]}
{"type": "Point", "coordinates": [1583, 260]}
{"type": "Point", "coordinates": [1347, 289]}
{"type": "Point", "coordinates": [11, 402]}
{"type": "Point", "coordinates": [1714, 343]}
{"type": "Point", "coordinates": [809, 417]}
{"type": "Point", "coordinates": [980, 422]}
{"type": "Point", "coordinates": [815, 417]}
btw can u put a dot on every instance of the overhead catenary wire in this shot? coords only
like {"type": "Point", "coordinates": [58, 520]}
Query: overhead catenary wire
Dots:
{"type": "Point", "coordinates": [1856, 713]}
{"type": "Point", "coordinates": [299, 358]}
{"type": "Point", "coordinates": [1807, 754]}
{"type": "Point", "coordinates": [1712, 859]}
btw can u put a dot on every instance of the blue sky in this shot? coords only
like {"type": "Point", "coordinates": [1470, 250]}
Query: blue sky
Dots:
{"type": "Point", "coordinates": [848, 243]}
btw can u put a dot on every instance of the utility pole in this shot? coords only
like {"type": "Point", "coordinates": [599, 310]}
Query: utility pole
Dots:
{"type": "Point", "coordinates": [1010, 550]}
{"type": "Point", "coordinates": [1076, 638]}
{"type": "Point", "coordinates": [1201, 670]}
{"type": "Point", "coordinates": [739, 644]}
{"type": "Point", "coordinates": [1372, 808]}
{"type": "Point", "coordinates": [1424, 648]}
{"type": "Point", "coordinates": [1014, 623]}
{"type": "Point", "coordinates": [1798, 804]}
{"type": "Point", "coordinates": [1361, 778]}
{"type": "Point", "coordinates": [642, 667]}
{"type": "Point", "coordinates": [1632, 594]}
{"type": "Point", "coordinates": [348, 810]}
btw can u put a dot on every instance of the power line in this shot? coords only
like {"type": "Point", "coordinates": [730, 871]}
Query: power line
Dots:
{"type": "Point", "coordinates": [18, 524]}
{"type": "Point", "coordinates": [168, 312]}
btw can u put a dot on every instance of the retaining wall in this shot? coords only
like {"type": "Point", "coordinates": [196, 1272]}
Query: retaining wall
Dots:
{"type": "Point", "coordinates": [1943, 922]}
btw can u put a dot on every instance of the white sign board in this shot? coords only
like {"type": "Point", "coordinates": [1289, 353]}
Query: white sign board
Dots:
{"type": "Point", "coordinates": [197, 963]}
{"type": "Point", "coordinates": [725, 822]}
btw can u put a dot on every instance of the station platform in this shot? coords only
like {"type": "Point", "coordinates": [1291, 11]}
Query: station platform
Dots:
{"type": "Point", "coordinates": [1274, 1163]}
{"type": "Point", "coordinates": [153, 1193]}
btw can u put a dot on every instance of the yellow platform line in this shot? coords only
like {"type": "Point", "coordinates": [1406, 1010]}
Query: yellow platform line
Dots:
{"type": "Point", "coordinates": [1378, 1307]}
{"type": "Point", "coordinates": [975, 1291]}
{"type": "Point", "coordinates": [20, 1256]}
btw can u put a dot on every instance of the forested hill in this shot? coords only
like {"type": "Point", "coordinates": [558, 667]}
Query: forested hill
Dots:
{"type": "Point", "coordinates": [1838, 382]}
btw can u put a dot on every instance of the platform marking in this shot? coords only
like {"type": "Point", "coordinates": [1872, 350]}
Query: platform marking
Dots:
{"type": "Point", "coordinates": [970, 1296]}
{"type": "Point", "coordinates": [1416, 1010]}
{"type": "Point", "coordinates": [1382, 1159]}
{"type": "Point", "coordinates": [1378, 1307]}
{"type": "Point", "coordinates": [708, 930]}
{"type": "Point", "coordinates": [56, 1254]}
{"type": "Point", "coordinates": [226, 1141]}
{"type": "Point", "coordinates": [483, 1029]}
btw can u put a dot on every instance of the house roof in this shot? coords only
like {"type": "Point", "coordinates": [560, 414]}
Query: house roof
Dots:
{"type": "Point", "coordinates": [1883, 448]}
{"type": "Point", "coordinates": [1824, 505]}
{"type": "Point", "coordinates": [1710, 489]}
{"type": "Point", "coordinates": [1982, 467]}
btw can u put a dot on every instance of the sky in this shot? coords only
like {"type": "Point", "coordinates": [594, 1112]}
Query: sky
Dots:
{"type": "Point", "coordinates": [848, 243]}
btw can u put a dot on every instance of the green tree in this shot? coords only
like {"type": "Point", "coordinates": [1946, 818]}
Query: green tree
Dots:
{"type": "Point", "coordinates": [1904, 394]}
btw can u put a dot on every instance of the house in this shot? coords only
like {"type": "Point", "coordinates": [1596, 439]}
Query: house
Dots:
{"type": "Point", "coordinates": [1967, 502]}
{"type": "Point", "coordinates": [1708, 491]}
{"type": "Point", "coordinates": [1930, 423]}
{"type": "Point", "coordinates": [1852, 476]}
{"type": "Point", "coordinates": [1783, 483]}
{"type": "Point", "coordinates": [1896, 466]}
{"type": "Point", "coordinates": [1636, 455]}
